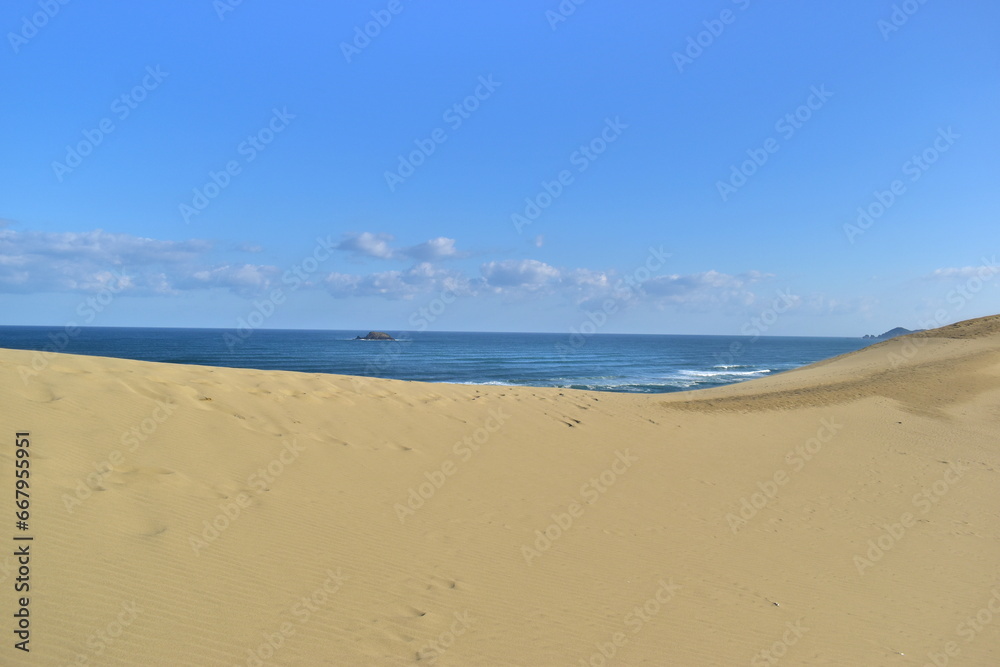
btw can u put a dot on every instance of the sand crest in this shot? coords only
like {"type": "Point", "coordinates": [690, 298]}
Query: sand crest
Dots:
{"type": "Point", "coordinates": [840, 514]}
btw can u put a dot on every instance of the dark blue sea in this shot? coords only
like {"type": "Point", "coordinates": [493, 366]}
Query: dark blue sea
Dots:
{"type": "Point", "coordinates": [603, 362]}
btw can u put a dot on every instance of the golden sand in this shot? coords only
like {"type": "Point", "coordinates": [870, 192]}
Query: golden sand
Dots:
{"type": "Point", "coordinates": [846, 513]}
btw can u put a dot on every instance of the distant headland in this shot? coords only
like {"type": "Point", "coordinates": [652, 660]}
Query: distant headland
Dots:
{"type": "Point", "coordinates": [892, 333]}
{"type": "Point", "coordinates": [375, 335]}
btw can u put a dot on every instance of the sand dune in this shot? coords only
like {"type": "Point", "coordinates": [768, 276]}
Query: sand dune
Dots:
{"type": "Point", "coordinates": [847, 513]}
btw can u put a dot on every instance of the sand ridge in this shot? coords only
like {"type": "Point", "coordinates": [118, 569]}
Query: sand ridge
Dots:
{"type": "Point", "coordinates": [843, 513]}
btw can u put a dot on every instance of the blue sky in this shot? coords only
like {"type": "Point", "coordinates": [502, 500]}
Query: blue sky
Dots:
{"type": "Point", "coordinates": [500, 166]}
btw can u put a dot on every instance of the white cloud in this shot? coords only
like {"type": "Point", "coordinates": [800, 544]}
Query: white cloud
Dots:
{"type": "Point", "coordinates": [671, 285]}
{"type": "Point", "coordinates": [33, 262]}
{"type": "Point", "coordinates": [98, 245]}
{"type": "Point", "coordinates": [984, 271]}
{"type": "Point", "coordinates": [367, 244]}
{"type": "Point", "coordinates": [378, 246]}
{"type": "Point", "coordinates": [420, 279]}
{"type": "Point", "coordinates": [701, 290]}
{"type": "Point", "coordinates": [244, 279]}
{"type": "Point", "coordinates": [822, 304]}
{"type": "Point", "coordinates": [435, 249]}
{"type": "Point", "coordinates": [529, 274]}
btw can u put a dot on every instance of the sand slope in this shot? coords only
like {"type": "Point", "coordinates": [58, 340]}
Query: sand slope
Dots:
{"type": "Point", "coordinates": [847, 513]}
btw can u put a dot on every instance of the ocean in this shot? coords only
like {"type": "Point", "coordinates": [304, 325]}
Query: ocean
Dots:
{"type": "Point", "coordinates": [601, 362]}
